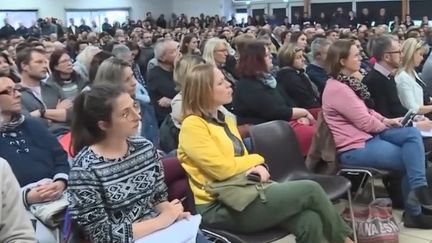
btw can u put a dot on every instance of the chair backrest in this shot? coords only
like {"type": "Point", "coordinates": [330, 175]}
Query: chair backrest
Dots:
{"type": "Point", "coordinates": [277, 143]}
{"type": "Point", "coordinates": [177, 182]}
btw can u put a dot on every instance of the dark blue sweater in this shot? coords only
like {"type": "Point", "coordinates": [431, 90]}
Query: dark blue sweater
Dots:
{"type": "Point", "coordinates": [318, 76]}
{"type": "Point", "coordinates": [33, 153]}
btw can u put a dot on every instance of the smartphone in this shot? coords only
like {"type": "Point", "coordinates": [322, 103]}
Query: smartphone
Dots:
{"type": "Point", "coordinates": [408, 118]}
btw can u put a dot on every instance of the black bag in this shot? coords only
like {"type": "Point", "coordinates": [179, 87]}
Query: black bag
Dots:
{"type": "Point", "coordinates": [168, 135]}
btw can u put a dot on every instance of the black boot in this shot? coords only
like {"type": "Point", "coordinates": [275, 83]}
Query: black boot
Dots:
{"type": "Point", "coordinates": [419, 221]}
{"type": "Point", "coordinates": [421, 195]}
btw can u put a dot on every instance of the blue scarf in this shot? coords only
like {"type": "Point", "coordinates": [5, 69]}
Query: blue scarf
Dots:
{"type": "Point", "coordinates": [268, 80]}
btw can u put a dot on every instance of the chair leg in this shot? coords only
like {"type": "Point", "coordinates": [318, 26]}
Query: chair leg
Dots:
{"type": "Point", "coordinates": [373, 187]}
{"type": "Point", "coordinates": [352, 216]}
{"type": "Point", "coordinates": [361, 186]}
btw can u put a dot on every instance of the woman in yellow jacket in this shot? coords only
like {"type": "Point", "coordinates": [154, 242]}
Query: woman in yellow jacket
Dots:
{"type": "Point", "coordinates": [210, 149]}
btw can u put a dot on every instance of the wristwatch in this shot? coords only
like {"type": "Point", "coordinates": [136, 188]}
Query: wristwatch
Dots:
{"type": "Point", "coordinates": [42, 112]}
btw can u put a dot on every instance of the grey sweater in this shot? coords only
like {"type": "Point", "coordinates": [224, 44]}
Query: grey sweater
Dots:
{"type": "Point", "coordinates": [15, 224]}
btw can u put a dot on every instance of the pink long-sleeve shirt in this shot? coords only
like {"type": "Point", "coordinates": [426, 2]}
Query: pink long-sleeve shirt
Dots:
{"type": "Point", "coordinates": [350, 121]}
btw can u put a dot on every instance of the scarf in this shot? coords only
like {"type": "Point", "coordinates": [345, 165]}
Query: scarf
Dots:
{"type": "Point", "coordinates": [359, 89]}
{"type": "Point", "coordinates": [16, 121]}
{"type": "Point", "coordinates": [268, 80]}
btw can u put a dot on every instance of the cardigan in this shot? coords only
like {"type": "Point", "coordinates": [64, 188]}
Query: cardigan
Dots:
{"type": "Point", "coordinates": [207, 152]}
{"type": "Point", "coordinates": [350, 121]}
{"type": "Point", "coordinates": [33, 153]}
{"type": "Point", "coordinates": [254, 102]}
{"type": "Point", "coordinates": [107, 196]}
{"type": "Point", "coordinates": [298, 86]}
{"type": "Point", "coordinates": [409, 91]}
{"type": "Point", "coordinates": [384, 94]}
{"type": "Point", "coordinates": [15, 225]}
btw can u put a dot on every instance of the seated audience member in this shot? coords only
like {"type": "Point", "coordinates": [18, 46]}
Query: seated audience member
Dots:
{"type": "Point", "coordinates": [380, 80]}
{"type": "Point", "coordinates": [411, 88]}
{"type": "Point", "coordinates": [94, 66]}
{"type": "Point", "coordinates": [160, 83]}
{"type": "Point", "coordinates": [63, 77]}
{"type": "Point", "coordinates": [216, 52]}
{"type": "Point", "coordinates": [315, 70]}
{"type": "Point", "coordinates": [35, 156]}
{"type": "Point", "coordinates": [40, 99]}
{"type": "Point", "coordinates": [83, 60]}
{"type": "Point", "coordinates": [170, 127]}
{"type": "Point", "coordinates": [299, 40]}
{"type": "Point", "coordinates": [189, 45]}
{"type": "Point", "coordinates": [211, 150]}
{"type": "Point", "coordinates": [14, 220]}
{"type": "Point", "coordinates": [8, 68]}
{"type": "Point", "coordinates": [292, 78]}
{"type": "Point", "coordinates": [106, 119]}
{"type": "Point", "coordinates": [361, 134]}
{"type": "Point", "coordinates": [258, 98]}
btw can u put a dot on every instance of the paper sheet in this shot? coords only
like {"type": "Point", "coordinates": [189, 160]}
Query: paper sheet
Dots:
{"type": "Point", "coordinates": [183, 231]}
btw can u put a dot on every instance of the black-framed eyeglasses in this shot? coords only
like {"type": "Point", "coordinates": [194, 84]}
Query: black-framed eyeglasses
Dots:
{"type": "Point", "coordinates": [12, 90]}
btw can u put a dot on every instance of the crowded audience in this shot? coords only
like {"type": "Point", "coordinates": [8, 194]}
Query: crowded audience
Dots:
{"type": "Point", "coordinates": [123, 96]}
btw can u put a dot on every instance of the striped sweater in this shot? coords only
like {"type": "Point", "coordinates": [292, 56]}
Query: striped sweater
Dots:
{"type": "Point", "coordinates": [107, 196]}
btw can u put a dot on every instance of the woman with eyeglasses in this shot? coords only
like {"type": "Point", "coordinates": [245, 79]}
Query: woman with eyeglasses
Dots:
{"type": "Point", "coordinates": [217, 52]}
{"type": "Point", "coordinates": [63, 76]}
{"type": "Point", "coordinates": [411, 88]}
{"type": "Point", "coordinates": [35, 156]}
{"type": "Point", "coordinates": [116, 189]}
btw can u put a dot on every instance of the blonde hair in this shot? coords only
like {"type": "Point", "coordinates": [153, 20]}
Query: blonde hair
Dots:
{"type": "Point", "coordinates": [409, 48]}
{"type": "Point", "coordinates": [210, 46]}
{"type": "Point", "coordinates": [183, 66]}
{"type": "Point", "coordinates": [86, 56]}
{"type": "Point", "coordinates": [286, 54]}
{"type": "Point", "coordinates": [197, 90]}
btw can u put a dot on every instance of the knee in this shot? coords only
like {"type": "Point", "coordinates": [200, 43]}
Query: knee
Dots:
{"type": "Point", "coordinates": [412, 133]}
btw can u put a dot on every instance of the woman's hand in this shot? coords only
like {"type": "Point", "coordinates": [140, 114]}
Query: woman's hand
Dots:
{"type": "Point", "coordinates": [424, 126]}
{"type": "Point", "coordinates": [51, 191]}
{"type": "Point", "coordinates": [393, 122]}
{"type": "Point", "coordinates": [260, 170]}
{"type": "Point", "coordinates": [303, 121]}
{"type": "Point", "coordinates": [173, 211]}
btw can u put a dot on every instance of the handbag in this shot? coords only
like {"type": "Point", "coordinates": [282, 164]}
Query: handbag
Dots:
{"type": "Point", "coordinates": [51, 213]}
{"type": "Point", "coordinates": [374, 223]}
{"type": "Point", "coordinates": [238, 191]}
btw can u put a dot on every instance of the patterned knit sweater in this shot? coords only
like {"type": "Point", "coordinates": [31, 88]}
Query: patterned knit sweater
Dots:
{"type": "Point", "coordinates": [107, 196]}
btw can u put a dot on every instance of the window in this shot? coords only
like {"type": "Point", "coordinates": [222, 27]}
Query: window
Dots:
{"type": "Point", "coordinates": [15, 17]}
{"type": "Point", "coordinates": [97, 15]}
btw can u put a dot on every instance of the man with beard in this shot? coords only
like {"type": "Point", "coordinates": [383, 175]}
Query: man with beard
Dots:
{"type": "Point", "coordinates": [38, 98]}
{"type": "Point", "coordinates": [147, 52]}
{"type": "Point", "coordinates": [380, 80]}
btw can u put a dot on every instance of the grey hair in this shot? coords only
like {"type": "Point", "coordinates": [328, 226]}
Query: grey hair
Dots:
{"type": "Point", "coordinates": [380, 45]}
{"type": "Point", "coordinates": [317, 45]}
{"type": "Point", "coordinates": [111, 71]}
{"type": "Point", "coordinates": [159, 48]}
{"type": "Point", "coordinates": [120, 50]}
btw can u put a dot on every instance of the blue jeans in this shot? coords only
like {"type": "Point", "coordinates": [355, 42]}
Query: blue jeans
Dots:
{"type": "Point", "coordinates": [399, 149]}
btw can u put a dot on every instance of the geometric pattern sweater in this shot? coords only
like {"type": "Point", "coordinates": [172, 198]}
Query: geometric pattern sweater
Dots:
{"type": "Point", "coordinates": [107, 196]}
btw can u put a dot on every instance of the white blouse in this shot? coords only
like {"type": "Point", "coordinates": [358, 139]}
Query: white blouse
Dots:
{"type": "Point", "coordinates": [409, 91]}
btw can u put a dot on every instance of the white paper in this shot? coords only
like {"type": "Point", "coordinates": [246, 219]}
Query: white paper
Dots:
{"type": "Point", "coordinates": [425, 134]}
{"type": "Point", "coordinates": [183, 231]}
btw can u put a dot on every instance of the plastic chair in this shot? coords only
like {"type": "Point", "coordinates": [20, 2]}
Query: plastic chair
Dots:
{"type": "Point", "coordinates": [277, 143]}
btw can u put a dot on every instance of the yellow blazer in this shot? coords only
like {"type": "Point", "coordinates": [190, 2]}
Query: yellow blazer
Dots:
{"type": "Point", "coordinates": [207, 154]}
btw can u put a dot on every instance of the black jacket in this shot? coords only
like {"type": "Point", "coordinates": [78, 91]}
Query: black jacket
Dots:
{"type": "Point", "coordinates": [297, 85]}
{"type": "Point", "coordinates": [384, 93]}
{"type": "Point", "coordinates": [256, 103]}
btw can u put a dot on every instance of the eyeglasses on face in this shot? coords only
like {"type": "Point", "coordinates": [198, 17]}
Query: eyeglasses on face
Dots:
{"type": "Point", "coordinates": [11, 90]}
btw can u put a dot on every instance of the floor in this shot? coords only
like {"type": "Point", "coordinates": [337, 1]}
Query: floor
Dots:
{"type": "Point", "coordinates": [405, 235]}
